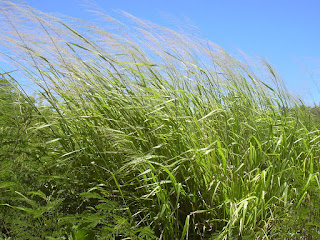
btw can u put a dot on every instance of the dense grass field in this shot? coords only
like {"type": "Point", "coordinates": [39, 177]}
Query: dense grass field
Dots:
{"type": "Point", "coordinates": [136, 131]}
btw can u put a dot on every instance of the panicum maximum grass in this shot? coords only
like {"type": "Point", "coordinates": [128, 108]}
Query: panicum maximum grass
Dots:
{"type": "Point", "coordinates": [177, 133]}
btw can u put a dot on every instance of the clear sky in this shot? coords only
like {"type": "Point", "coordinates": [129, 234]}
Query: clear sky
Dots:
{"type": "Point", "coordinates": [285, 32]}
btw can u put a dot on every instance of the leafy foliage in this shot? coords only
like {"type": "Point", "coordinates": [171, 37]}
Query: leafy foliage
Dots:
{"type": "Point", "coordinates": [149, 134]}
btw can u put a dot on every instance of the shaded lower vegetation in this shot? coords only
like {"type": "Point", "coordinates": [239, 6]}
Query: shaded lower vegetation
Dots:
{"type": "Point", "coordinates": [154, 135]}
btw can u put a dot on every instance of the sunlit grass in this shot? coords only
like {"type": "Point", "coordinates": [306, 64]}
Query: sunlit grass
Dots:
{"type": "Point", "coordinates": [183, 137]}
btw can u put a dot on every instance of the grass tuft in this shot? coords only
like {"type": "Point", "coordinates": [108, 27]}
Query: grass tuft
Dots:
{"type": "Point", "coordinates": [146, 133]}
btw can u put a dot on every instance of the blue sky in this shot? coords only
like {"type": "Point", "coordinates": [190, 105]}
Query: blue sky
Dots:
{"type": "Point", "coordinates": [286, 33]}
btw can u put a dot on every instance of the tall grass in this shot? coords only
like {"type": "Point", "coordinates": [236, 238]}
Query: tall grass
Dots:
{"type": "Point", "coordinates": [166, 129]}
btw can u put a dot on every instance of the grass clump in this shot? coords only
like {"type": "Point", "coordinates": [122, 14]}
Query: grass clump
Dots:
{"type": "Point", "coordinates": [146, 133]}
